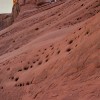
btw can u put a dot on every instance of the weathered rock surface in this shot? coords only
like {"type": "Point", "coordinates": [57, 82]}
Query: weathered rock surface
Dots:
{"type": "Point", "coordinates": [22, 5]}
{"type": "Point", "coordinates": [15, 10]}
{"type": "Point", "coordinates": [51, 52]}
{"type": "Point", "coordinates": [5, 20]}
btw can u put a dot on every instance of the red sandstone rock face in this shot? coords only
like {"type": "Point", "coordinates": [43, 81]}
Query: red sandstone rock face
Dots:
{"type": "Point", "coordinates": [5, 20]}
{"type": "Point", "coordinates": [21, 7]}
{"type": "Point", "coordinates": [52, 53]}
{"type": "Point", "coordinates": [23, 2]}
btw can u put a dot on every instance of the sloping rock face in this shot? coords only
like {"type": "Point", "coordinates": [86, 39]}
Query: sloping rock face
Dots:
{"type": "Point", "coordinates": [32, 4]}
{"type": "Point", "coordinates": [51, 52]}
{"type": "Point", "coordinates": [22, 5]}
{"type": "Point", "coordinates": [5, 20]}
{"type": "Point", "coordinates": [23, 2]}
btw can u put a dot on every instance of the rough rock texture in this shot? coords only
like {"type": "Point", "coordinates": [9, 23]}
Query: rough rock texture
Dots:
{"type": "Point", "coordinates": [8, 19]}
{"type": "Point", "coordinates": [52, 52]}
{"type": "Point", "coordinates": [5, 20]}
{"type": "Point", "coordinates": [24, 2]}
{"type": "Point", "coordinates": [15, 10]}
{"type": "Point", "coordinates": [22, 5]}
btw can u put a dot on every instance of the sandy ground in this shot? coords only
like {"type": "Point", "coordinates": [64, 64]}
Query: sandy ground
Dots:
{"type": "Point", "coordinates": [52, 53]}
